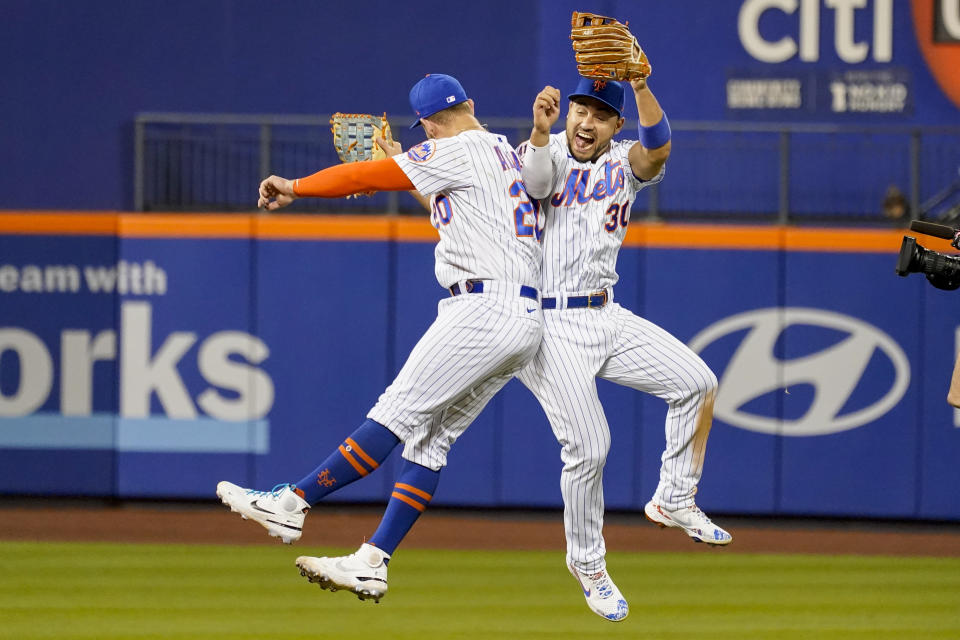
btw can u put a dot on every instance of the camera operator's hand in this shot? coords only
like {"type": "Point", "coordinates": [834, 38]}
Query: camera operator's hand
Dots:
{"type": "Point", "coordinates": [953, 396]}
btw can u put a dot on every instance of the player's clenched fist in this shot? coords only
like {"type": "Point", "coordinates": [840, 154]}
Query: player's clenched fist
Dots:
{"type": "Point", "coordinates": [275, 193]}
{"type": "Point", "coordinates": [546, 109]}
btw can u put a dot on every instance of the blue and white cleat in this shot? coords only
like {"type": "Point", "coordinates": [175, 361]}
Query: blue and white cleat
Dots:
{"type": "Point", "coordinates": [602, 595]}
{"type": "Point", "coordinates": [694, 522]}
{"type": "Point", "coordinates": [280, 511]}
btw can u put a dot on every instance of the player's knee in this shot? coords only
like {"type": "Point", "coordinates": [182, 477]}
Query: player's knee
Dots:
{"type": "Point", "coordinates": [704, 387]}
{"type": "Point", "coordinates": [711, 382]}
{"type": "Point", "coordinates": [586, 456]}
{"type": "Point", "coordinates": [588, 465]}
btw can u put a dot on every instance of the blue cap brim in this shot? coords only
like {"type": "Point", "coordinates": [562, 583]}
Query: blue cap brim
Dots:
{"type": "Point", "coordinates": [593, 97]}
{"type": "Point", "coordinates": [416, 124]}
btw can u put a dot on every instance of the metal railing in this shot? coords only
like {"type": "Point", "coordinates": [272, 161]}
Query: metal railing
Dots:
{"type": "Point", "coordinates": [721, 171]}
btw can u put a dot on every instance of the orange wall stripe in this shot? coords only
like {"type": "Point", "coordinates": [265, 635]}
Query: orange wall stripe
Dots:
{"type": "Point", "coordinates": [412, 489]}
{"type": "Point", "coordinates": [288, 227]}
{"type": "Point", "coordinates": [410, 501]}
{"type": "Point", "coordinates": [417, 228]}
{"type": "Point", "coordinates": [856, 240]}
{"type": "Point", "coordinates": [185, 226]}
{"type": "Point", "coordinates": [57, 223]}
{"type": "Point", "coordinates": [710, 236]}
{"type": "Point", "coordinates": [844, 240]}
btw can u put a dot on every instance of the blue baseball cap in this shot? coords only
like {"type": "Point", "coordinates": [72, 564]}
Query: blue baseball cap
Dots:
{"type": "Point", "coordinates": [435, 92]}
{"type": "Point", "coordinates": [609, 92]}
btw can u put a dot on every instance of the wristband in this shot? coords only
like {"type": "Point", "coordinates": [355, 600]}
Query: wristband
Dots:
{"type": "Point", "coordinates": [655, 136]}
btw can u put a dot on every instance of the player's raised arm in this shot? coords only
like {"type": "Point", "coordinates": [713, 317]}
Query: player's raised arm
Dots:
{"type": "Point", "coordinates": [537, 168]}
{"type": "Point", "coordinates": [649, 155]}
{"type": "Point", "coordinates": [335, 182]}
{"type": "Point", "coordinates": [546, 110]}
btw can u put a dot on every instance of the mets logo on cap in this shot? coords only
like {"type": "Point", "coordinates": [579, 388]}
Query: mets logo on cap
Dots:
{"type": "Point", "coordinates": [422, 152]}
{"type": "Point", "coordinates": [937, 27]}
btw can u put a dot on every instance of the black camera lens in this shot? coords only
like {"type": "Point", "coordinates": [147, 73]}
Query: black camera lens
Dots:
{"type": "Point", "coordinates": [942, 271]}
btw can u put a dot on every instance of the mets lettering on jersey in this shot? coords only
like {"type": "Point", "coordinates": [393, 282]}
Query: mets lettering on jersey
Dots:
{"type": "Point", "coordinates": [585, 197]}
{"type": "Point", "coordinates": [575, 187]}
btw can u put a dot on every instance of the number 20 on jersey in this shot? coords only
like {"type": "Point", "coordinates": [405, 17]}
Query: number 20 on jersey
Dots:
{"type": "Point", "coordinates": [526, 214]}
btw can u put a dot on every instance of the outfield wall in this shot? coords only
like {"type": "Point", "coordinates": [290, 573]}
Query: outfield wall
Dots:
{"type": "Point", "coordinates": [151, 356]}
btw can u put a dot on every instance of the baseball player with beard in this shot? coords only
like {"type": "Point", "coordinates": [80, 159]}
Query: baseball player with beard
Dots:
{"type": "Point", "coordinates": [488, 258]}
{"type": "Point", "coordinates": [586, 183]}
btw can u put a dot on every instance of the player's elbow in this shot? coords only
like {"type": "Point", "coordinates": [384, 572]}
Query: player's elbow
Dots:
{"type": "Point", "coordinates": [537, 191]}
{"type": "Point", "coordinates": [536, 182]}
{"type": "Point", "coordinates": [659, 155]}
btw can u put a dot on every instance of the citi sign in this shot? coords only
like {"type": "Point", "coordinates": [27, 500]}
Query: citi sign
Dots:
{"type": "Point", "coordinates": [835, 372]}
{"type": "Point", "coordinates": [803, 40]}
{"type": "Point", "coordinates": [227, 361]}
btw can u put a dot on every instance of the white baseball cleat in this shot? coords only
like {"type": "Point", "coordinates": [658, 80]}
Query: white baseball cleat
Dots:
{"type": "Point", "coordinates": [364, 572]}
{"type": "Point", "coordinates": [602, 595]}
{"type": "Point", "coordinates": [281, 511]}
{"type": "Point", "coordinates": [693, 521]}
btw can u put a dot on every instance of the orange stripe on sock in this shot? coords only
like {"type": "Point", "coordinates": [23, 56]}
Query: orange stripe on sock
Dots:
{"type": "Point", "coordinates": [363, 454]}
{"type": "Point", "coordinates": [414, 490]}
{"type": "Point", "coordinates": [410, 501]}
{"type": "Point", "coordinates": [353, 461]}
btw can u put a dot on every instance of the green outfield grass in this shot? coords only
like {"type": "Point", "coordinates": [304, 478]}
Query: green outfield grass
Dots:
{"type": "Point", "coordinates": [109, 591]}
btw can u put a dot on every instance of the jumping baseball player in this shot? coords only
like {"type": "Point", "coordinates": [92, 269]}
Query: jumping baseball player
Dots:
{"type": "Point", "coordinates": [489, 258]}
{"type": "Point", "coordinates": [587, 183]}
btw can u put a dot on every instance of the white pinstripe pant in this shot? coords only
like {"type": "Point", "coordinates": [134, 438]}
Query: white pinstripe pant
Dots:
{"type": "Point", "coordinates": [615, 344]}
{"type": "Point", "coordinates": [478, 342]}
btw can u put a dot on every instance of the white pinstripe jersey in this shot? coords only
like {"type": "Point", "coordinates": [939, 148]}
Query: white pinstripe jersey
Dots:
{"type": "Point", "coordinates": [587, 213]}
{"type": "Point", "coordinates": [488, 226]}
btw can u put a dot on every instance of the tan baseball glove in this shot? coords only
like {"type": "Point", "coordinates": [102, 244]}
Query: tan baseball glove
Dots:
{"type": "Point", "coordinates": [605, 49]}
{"type": "Point", "coordinates": [355, 136]}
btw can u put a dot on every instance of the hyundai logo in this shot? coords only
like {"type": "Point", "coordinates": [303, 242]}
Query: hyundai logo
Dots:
{"type": "Point", "coordinates": [834, 372]}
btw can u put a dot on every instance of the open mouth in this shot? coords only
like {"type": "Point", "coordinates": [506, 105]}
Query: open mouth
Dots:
{"type": "Point", "coordinates": [583, 141]}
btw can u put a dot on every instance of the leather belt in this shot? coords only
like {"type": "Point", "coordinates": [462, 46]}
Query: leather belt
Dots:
{"type": "Point", "coordinates": [595, 300]}
{"type": "Point", "coordinates": [476, 286]}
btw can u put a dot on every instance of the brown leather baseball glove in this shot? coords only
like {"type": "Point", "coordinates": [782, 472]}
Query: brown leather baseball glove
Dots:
{"type": "Point", "coordinates": [605, 49]}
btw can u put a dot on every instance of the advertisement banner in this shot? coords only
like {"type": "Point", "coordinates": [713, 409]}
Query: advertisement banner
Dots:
{"type": "Point", "coordinates": [156, 361]}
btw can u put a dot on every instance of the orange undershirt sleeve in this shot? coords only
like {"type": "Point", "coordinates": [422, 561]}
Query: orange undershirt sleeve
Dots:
{"type": "Point", "coordinates": [354, 177]}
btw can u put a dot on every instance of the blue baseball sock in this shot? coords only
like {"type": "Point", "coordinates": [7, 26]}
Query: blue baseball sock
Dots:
{"type": "Point", "coordinates": [359, 454]}
{"type": "Point", "coordinates": [411, 495]}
